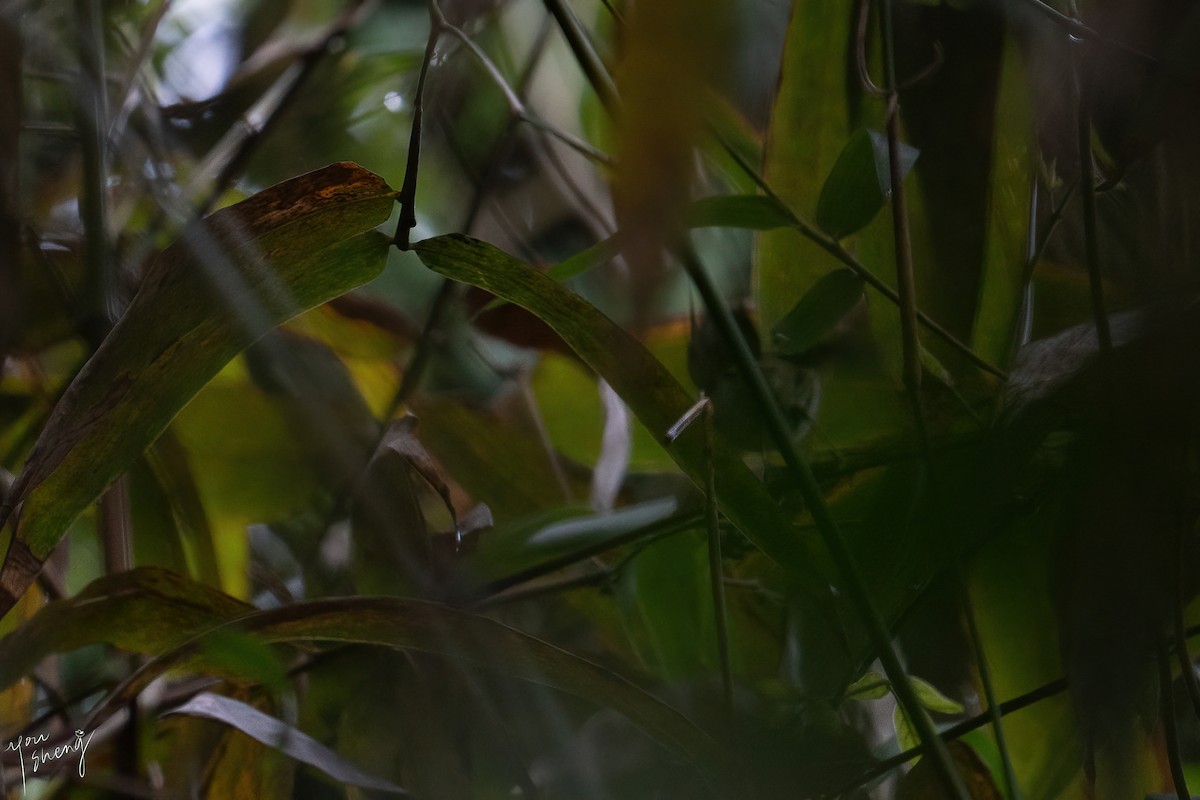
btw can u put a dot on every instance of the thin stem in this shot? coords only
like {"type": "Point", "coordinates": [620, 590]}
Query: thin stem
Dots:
{"type": "Point", "coordinates": [408, 190]}
{"type": "Point", "coordinates": [910, 345]}
{"type": "Point", "coordinates": [1087, 185]}
{"type": "Point", "coordinates": [956, 731]}
{"type": "Point", "coordinates": [581, 47]}
{"type": "Point", "coordinates": [835, 249]}
{"type": "Point", "coordinates": [518, 109]}
{"type": "Point", "coordinates": [989, 690]}
{"type": "Point", "coordinates": [1081, 31]}
{"type": "Point", "coordinates": [92, 123]}
{"type": "Point", "coordinates": [843, 559]}
{"type": "Point", "coordinates": [716, 568]}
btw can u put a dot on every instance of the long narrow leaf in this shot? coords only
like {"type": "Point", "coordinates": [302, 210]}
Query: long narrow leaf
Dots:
{"type": "Point", "coordinates": [642, 382]}
{"type": "Point", "coordinates": [229, 279]}
{"type": "Point", "coordinates": [275, 733]}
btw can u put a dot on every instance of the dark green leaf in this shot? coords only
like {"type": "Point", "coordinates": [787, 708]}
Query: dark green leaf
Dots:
{"type": "Point", "coordinates": [600, 253]}
{"type": "Point", "coordinates": [168, 610]}
{"type": "Point", "coordinates": [651, 392]}
{"type": "Point", "coordinates": [859, 183]}
{"type": "Point", "coordinates": [818, 312]}
{"type": "Point", "coordinates": [558, 537]}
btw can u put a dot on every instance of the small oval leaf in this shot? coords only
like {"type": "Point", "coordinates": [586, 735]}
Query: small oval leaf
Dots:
{"type": "Point", "coordinates": [859, 183]}
{"type": "Point", "coordinates": [818, 312]}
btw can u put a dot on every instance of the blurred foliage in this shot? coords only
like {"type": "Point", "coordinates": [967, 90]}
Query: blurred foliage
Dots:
{"type": "Point", "coordinates": [621, 479]}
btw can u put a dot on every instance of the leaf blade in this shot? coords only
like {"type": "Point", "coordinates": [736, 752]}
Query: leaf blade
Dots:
{"type": "Point", "coordinates": [228, 279]}
{"type": "Point", "coordinates": [653, 395]}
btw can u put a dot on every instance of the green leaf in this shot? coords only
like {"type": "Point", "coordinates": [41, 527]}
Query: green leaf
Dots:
{"type": "Point", "coordinates": [168, 610]}
{"type": "Point", "coordinates": [247, 658]}
{"type": "Point", "coordinates": [225, 282]}
{"type": "Point", "coordinates": [172, 610]}
{"type": "Point", "coordinates": [933, 699]}
{"type": "Point", "coordinates": [560, 537]}
{"type": "Point", "coordinates": [651, 392]}
{"type": "Point", "coordinates": [871, 686]}
{"type": "Point", "coordinates": [1003, 280]}
{"type": "Point", "coordinates": [906, 734]}
{"type": "Point", "coordinates": [755, 212]}
{"type": "Point", "coordinates": [272, 732]}
{"type": "Point", "coordinates": [819, 311]}
{"type": "Point", "coordinates": [859, 183]}
{"type": "Point", "coordinates": [600, 253]}
{"type": "Point", "coordinates": [665, 596]}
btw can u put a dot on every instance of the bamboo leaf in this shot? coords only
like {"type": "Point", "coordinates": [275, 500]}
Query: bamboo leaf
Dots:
{"type": "Point", "coordinates": [169, 610]}
{"type": "Point", "coordinates": [819, 311]}
{"type": "Point", "coordinates": [642, 382]}
{"type": "Point", "coordinates": [859, 184]}
{"type": "Point", "coordinates": [225, 282]}
{"type": "Point", "coordinates": [173, 610]}
{"type": "Point", "coordinates": [273, 732]}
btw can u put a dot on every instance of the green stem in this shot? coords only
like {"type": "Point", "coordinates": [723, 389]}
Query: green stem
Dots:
{"type": "Point", "coordinates": [581, 47]}
{"type": "Point", "coordinates": [835, 249]}
{"type": "Point", "coordinates": [716, 569]}
{"type": "Point", "coordinates": [1087, 186]}
{"type": "Point", "coordinates": [843, 559]}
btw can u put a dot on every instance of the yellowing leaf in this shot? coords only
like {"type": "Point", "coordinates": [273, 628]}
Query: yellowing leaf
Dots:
{"type": "Point", "coordinates": [225, 282]}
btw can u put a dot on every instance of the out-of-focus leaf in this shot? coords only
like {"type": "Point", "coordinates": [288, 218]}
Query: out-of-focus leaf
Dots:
{"type": "Point", "coordinates": [859, 183]}
{"type": "Point", "coordinates": [569, 401]}
{"type": "Point", "coordinates": [1001, 286]}
{"type": "Point", "coordinates": [819, 311]}
{"type": "Point", "coordinates": [393, 546]}
{"type": "Point", "coordinates": [229, 279]}
{"type": "Point", "coordinates": [871, 686]}
{"type": "Point", "coordinates": [244, 769]}
{"type": "Point", "coordinates": [275, 733]}
{"type": "Point", "coordinates": [906, 734]}
{"type": "Point", "coordinates": [642, 382]}
{"type": "Point", "coordinates": [496, 462]}
{"type": "Point", "coordinates": [666, 597]}
{"type": "Point", "coordinates": [168, 610]}
{"type": "Point", "coordinates": [168, 461]}
{"type": "Point", "coordinates": [558, 536]}
{"type": "Point", "coordinates": [933, 699]}
{"type": "Point", "coordinates": [673, 56]}
{"type": "Point", "coordinates": [461, 636]}
{"type": "Point", "coordinates": [922, 781]}
{"type": "Point", "coordinates": [752, 211]}
{"type": "Point", "coordinates": [245, 657]}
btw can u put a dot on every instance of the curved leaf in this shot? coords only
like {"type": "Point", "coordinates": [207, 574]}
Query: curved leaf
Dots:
{"type": "Point", "coordinates": [651, 392]}
{"type": "Point", "coordinates": [819, 311]}
{"type": "Point", "coordinates": [225, 282]}
{"type": "Point", "coordinates": [169, 610]}
{"type": "Point", "coordinates": [270, 731]}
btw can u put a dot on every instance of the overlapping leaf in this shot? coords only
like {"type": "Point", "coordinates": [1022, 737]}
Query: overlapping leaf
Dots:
{"type": "Point", "coordinates": [228, 280]}
{"type": "Point", "coordinates": [642, 382]}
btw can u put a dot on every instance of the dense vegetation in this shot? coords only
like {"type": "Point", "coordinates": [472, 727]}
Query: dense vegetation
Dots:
{"type": "Point", "coordinates": [733, 399]}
